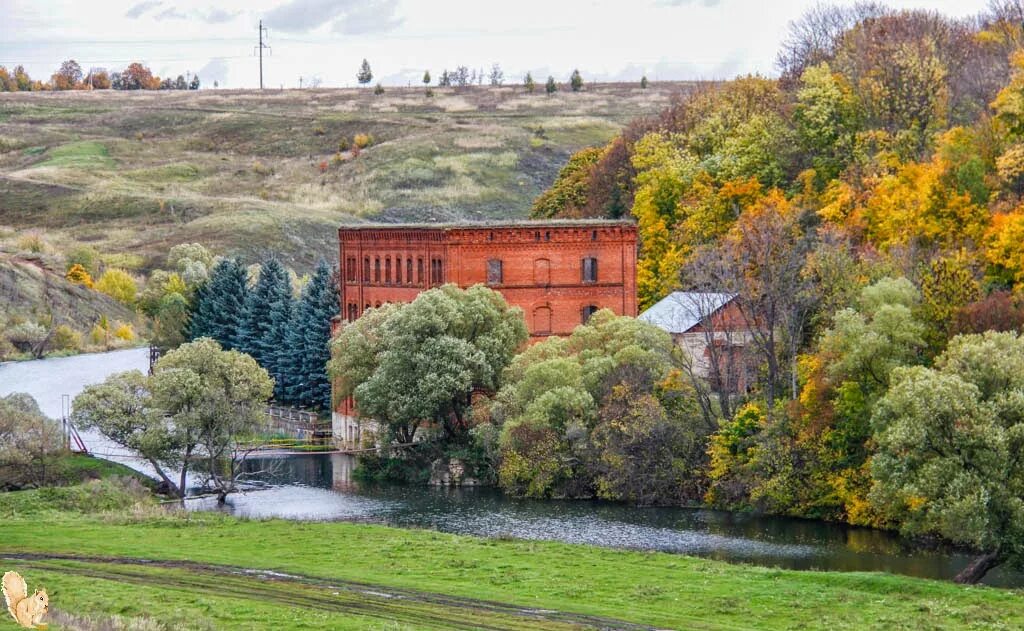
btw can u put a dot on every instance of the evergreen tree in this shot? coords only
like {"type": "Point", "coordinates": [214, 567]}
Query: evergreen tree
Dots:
{"type": "Point", "coordinates": [308, 341]}
{"type": "Point", "coordinates": [576, 81]}
{"type": "Point", "coordinates": [282, 319]}
{"type": "Point", "coordinates": [643, 82]}
{"type": "Point", "coordinates": [219, 304]}
{"type": "Point", "coordinates": [266, 302]}
{"type": "Point", "coordinates": [551, 87]}
{"type": "Point", "coordinates": [529, 83]}
{"type": "Point", "coordinates": [365, 75]}
{"type": "Point", "coordinates": [426, 77]}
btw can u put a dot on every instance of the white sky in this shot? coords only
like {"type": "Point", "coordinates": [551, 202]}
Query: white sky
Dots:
{"type": "Point", "coordinates": [606, 40]}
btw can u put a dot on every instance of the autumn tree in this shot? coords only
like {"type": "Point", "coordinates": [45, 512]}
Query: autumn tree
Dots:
{"type": "Point", "coordinates": [528, 83]}
{"type": "Point", "coordinates": [576, 81]}
{"type": "Point", "coordinates": [68, 77]}
{"type": "Point", "coordinates": [948, 444]}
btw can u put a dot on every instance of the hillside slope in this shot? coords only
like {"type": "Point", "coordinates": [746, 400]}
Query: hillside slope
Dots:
{"type": "Point", "coordinates": [251, 173]}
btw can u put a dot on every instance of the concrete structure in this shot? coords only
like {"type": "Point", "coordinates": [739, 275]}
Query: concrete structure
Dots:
{"type": "Point", "coordinates": [714, 334]}
{"type": "Point", "coordinates": [558, 272]}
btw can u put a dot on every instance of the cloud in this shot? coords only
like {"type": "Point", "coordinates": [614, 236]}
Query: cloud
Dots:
{"type": "Point", "coordinates": [345, 16]}
{"type": "Point", "coordinates": [170, 13]}
{"type": "Point", "coordinates": [137, 10]}
{"type": "Point", "coordinates": [215, 70]}
{"type": "Point", "coordinates": [683, 3]}
{"type": "Point", "coordinates": [219, 16]}
{"type": "Point", "coordinates": [369, 17]}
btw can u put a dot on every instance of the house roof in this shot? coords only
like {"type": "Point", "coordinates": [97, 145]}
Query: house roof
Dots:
{"type": "Point", "coordinates": [470, 225]}
{"type": "Point", "coordinates": [680, 311]}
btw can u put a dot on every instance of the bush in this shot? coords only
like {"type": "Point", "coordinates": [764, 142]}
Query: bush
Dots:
{"type": "Point", "coordinates": [362, 140]}
{"type": "Point", "coordinates": [32, 242]}
{"type": "Point", "coordinates": [118, 284]}
{"type": "Point", "coordinates": [66, 339]}
{"type": "Point", "coordinates": [124, 331]}
{"type": "Point", "coordinates": [85, 256]}
{"type": "Point", "coordinates": [27, 337]}
{"type": "Point", "coordinates": [78, 275]}
{"type": "Point", "coordinates": [344, 144]}
{"type": "Point", "coordinates": [378, 90]}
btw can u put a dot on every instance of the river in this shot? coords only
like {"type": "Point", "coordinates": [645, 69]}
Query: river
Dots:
{"type": "Point", "coordinates": [321, 487]}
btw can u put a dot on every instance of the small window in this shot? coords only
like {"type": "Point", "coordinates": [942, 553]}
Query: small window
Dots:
{"type": "Point", "coordinates": [366, 307]}
{"type": "Point", "coordinates": [353, 312]}
{"type": "Point", "coordinates": [490, 237]}
{"type": "Point", "coordinates": [366, 270]}
{"type": "Point", "coordinates": [419, 270]}
{"type": "Point", "coordinates": [494, 276]}
{"type": "Point", "coordinates": [408, 271]}
{"type": "Point", "coordinates": [593, 236]}
{"type": "Point", "coordinates": [436, 272]}
{"type": "Point", "coordinates": [536, 236]}
{"type": "Point", "coordinates": [547, 235]}
{"type": "Point", "coordinates": [376, 270]}
{"type": "Point", "coordinates": [350, 269]}
{"type": "Point", "coordinates": [398, 271]}
{"type": "Point", "coordinates": [589, 269]}
{"type": "Point", "coordinates": [387, 270]}
{"type": "Point", "coordinates": [588, 311]}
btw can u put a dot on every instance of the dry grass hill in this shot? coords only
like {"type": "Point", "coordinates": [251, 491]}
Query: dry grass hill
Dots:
{"type": "Point", "coordinates": [251, 173]}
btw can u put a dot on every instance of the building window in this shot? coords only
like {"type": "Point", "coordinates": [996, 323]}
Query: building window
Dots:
{"type": "Point", "coordinates": [536, 236]}
{"type": "Point", "coordinates": [542, 320]}
{"type": "Point", "coordinates": [376, 270]}
{"type": "Point", "coordinates": [398, 271]}
{"type": "Point", "coordinates": [387, 270]}
{"type": "Point", "coordinates": [494, 276]}
{"type": "Point", "coordinates": [366, 307]}
{"type": "Point", "coordinates": [366, 270]}
{"type": "Point", "coordinates": [353, 312]}
{"type": "Point", "coordinates": [588, 311]}
{"type": "Point", "coordinates": [350, 269]}
{"type": "Point", "coordinates": [408, 271]}
{"type": "Point", "coordinates": [589, 269]}
{"type": "Point", "coordinates": [436, 272]}
{"type": "Point", "coordinates": [593, 236]}
{"type": "Point", "coordinates": [547, 235]}
{"type": "Point", "coordinates": [419, 270]}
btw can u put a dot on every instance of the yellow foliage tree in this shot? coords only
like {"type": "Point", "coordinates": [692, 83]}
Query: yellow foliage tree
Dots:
{"type": "Point", "coordinates": [118, 284]}
{"type": "Point", "coordinates": [1005, 246]}
{"type": "Point", "coordinates": [79, 275]}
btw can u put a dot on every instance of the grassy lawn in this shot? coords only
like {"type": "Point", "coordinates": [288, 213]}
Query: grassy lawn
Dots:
{"type": "Point", "coordinates": [344, 570]}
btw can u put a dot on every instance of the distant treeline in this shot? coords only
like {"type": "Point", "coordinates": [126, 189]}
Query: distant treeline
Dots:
{"type": "Point", "coordinates": [70, 76]}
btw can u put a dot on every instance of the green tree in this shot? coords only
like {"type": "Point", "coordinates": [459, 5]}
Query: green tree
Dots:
{"type": "Point", "coordinates": [567, 195]}
{"type": "Point", "coordinates": [265, 307]}
{"type": "Point", "coordinates": [365, 75]}
{"type": "Point", "coordinates": [28, 441]}
{"type": "Point", "coordinates": [551, 87]}
{"type": "Point", "coordinates": [170, 322]}
{"type": "Point", "coordinates": [428, 357]}
{"type": "Point", "coordinates": [200, 402]}
{"type": "Point", "coordinates": [949, 444]}
{"type": "Point", "coordinates": [576, 81]}
{"type": "Point", "coordinates": [426, 77]}
{"type": "Point", "coordinates": [219, 303]}
{"type": "Point", "coordinates": [308, 341]}
{"type": "Point", "coordinates": [643, 82]}
{"type": "Point", "coordinates": [529, 84]}
{"type": "Point", "coordinates": [118, 284]}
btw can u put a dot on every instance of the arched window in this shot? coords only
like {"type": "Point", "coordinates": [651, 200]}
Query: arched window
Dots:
{"type": "Point", "coordinates": [387, 270]}
{"type": "Point", "coordinates": [350, 269]}
{"type": "Point", "coordinates": [353, 312]}
{"type": "Point", "coordinates": [408, 271]}
{"type": "Point", "coordinates": [398, 270]}
{"type": "Point", "coordinates": [376, 270]}
{"type": "Point", "coordinates": [366, 270]}
{"type": "Point", "coordinates": [419, 270]}
{"type": "Point", "coordinates": [588, 311]}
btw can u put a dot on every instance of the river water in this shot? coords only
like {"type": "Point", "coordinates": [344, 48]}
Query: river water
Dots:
{"type": "Point", "coordinates": [321, 487]}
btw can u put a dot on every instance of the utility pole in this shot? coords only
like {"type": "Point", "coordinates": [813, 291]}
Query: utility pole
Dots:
{"type": "Point", "coordinates": [260, 48]}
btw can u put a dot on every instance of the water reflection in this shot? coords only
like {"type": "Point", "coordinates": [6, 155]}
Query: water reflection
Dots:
{"type": "Point", "coordinates": [320, 487]}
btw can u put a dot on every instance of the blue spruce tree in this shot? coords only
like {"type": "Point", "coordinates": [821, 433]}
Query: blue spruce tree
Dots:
{"type": "Point", "coordinates": [219, 303]}
{"type": "Point", "coordinates": [265, 306]}
{"type": "Point", "coordinates": [308, 342]}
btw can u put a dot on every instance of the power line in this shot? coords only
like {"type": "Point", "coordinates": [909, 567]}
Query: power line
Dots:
{"type": "Point", "coordinates": [261, 46]}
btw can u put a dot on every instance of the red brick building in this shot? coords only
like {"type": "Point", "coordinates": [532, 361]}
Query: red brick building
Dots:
{"type": "Point", "coordinates": [559, 272]}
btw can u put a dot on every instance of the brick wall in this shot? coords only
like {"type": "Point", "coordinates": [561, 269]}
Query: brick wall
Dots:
{"type": "Point", "coordinates": [556, 272]}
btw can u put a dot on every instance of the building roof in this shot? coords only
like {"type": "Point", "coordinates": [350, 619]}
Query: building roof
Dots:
{"type": "Point", "coordinates": [680, 311]}
{"type": "Point", "coordinates": [475, 225]}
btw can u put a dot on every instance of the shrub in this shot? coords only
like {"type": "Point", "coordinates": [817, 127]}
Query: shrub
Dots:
{"type": "Point", "coordinates": [28, 337]}
{"type": "Point", "coordinates": [66, 339]}
{"type": "Point", "coordinates": [85, 256]}
{"type": "Point", "coordinates": [261, 169]}
{"type": "Point", "coordinates": [344, 144]}
{"type": "Point", "coordinates": [362, 140]}
{"type": "Point", "coordinates": [78, 275]}
{"type": "Point", "coordinates": [318, 130]}
{"type": "Point", "coordinates": [124, 331]}
{"type": "Point", "coordinates": [118, 284]}
{"type": "Point", "coordinates": [378, 90]}
{"type": "Point", "coordinates": [32, 242]}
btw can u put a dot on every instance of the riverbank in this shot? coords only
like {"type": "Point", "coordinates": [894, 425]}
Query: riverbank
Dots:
{"type": "Point", "coordinates": [346, 575]}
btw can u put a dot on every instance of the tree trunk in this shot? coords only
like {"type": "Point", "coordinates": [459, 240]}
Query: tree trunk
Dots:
{"type": "Point", "coordinates": [977, 568]}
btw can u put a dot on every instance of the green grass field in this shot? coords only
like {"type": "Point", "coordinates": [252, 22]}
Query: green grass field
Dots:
{"type": "Point", "coordinates": [207, 571]}
{"type": "Point", "coordinates": [240, 171]}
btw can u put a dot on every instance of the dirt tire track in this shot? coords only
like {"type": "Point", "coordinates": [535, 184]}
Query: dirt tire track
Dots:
{"type": "Point", "coordinates": [325, 594]}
